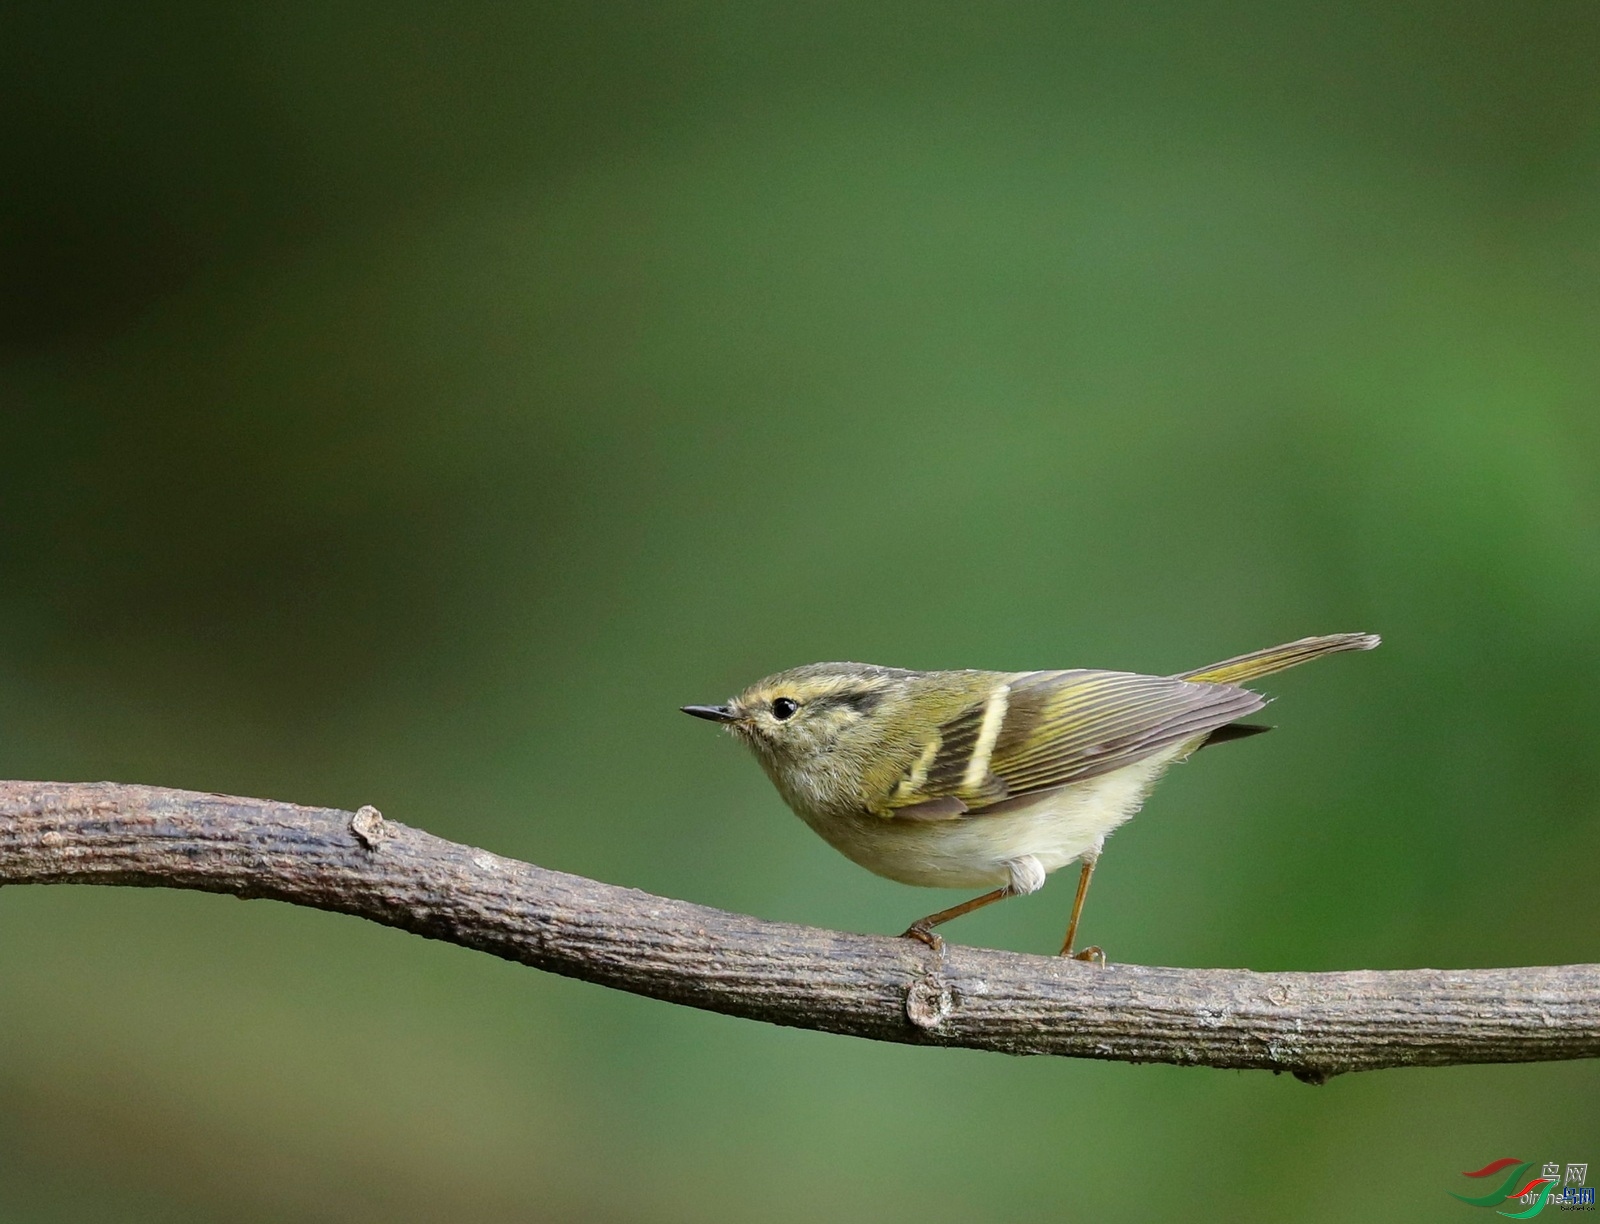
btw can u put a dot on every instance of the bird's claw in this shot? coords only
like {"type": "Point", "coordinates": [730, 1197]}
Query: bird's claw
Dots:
{"type": "Point", "coordinates": [924, 935]}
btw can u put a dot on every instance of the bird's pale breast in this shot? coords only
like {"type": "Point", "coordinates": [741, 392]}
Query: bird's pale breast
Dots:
{"type": "Point", "coordinates": [974, 851]}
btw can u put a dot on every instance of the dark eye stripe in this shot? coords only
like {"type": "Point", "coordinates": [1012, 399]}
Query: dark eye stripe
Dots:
{"type": "Point", "coordinates": [862, 702]}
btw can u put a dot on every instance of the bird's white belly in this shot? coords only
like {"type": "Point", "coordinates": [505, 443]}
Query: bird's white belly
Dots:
{"type": "Point", "coordinates": [976, 851]}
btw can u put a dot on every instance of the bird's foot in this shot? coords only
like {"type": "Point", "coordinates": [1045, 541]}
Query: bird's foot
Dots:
{"type": "Point", "coordinates": [924, 935]}
{"type": "Point", "coordinates": [1093, 955]}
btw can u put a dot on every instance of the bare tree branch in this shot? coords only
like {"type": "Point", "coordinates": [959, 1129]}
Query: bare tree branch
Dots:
{"type": "Point", "coordinates": [1313, 1024]}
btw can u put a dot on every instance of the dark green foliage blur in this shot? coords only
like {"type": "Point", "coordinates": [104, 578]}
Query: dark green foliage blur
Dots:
{"type": "Point", "coordinates": [414, 405]}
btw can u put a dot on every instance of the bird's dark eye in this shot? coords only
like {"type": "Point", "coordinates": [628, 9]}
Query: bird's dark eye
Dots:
{"type": "Point", "coordinates": [784, 707]}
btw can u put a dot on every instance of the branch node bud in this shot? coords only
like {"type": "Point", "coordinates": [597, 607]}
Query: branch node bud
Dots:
{"type": "Point", "coordinates": [929, 1001]}
{"type": "Point", "coordinates": [367, 825]}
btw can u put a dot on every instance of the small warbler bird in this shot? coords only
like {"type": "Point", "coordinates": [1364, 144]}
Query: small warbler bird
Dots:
{"type": "Point", "coordinates": [967, 779]}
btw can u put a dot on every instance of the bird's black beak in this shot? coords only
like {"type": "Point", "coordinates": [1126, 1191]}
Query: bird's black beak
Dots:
{"type": "Point", "coordinates": [719, 714]}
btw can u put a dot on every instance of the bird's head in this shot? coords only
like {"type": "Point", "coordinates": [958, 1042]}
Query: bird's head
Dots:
{"type": "Point", "coordinates": [792, 717]}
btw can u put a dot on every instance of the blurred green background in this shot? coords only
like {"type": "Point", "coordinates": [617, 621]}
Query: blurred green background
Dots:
{"type": "Point", "coordinates": [414, 405]}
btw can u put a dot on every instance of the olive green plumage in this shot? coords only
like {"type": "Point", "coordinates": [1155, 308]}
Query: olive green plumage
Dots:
{"type": "Point", "coordinates": [970, 777]}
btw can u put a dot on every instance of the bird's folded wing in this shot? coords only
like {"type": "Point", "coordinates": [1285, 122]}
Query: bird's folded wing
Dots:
{"type": "Point", "coordinates": [1043, 730]}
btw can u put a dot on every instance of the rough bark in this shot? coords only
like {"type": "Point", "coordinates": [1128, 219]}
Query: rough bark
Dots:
{"type": "Point", "coordinates": [1312, 1024]}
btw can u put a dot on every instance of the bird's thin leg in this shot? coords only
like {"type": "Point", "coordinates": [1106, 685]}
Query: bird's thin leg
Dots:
{"type": "Point", "coordinates": [922, 928]}
{"type": "Point", "coordinates": [1088, 954]}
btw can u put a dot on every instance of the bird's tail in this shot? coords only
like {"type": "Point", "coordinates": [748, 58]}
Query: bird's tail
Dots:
{"type": "Point", "coordinates": [1278, 658]}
